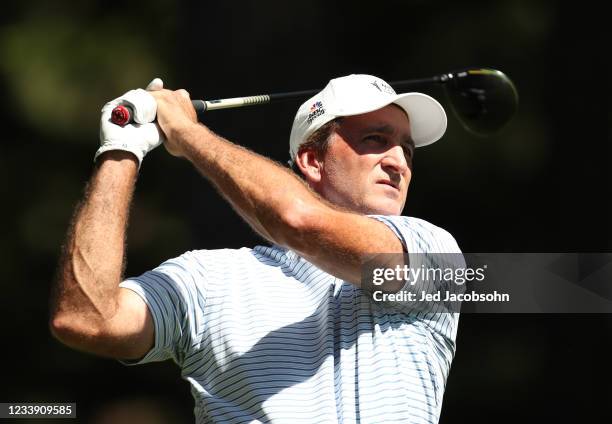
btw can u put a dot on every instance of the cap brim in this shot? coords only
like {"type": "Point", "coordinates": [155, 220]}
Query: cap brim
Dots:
{"type": "Point", "coordinates": [427, 117]}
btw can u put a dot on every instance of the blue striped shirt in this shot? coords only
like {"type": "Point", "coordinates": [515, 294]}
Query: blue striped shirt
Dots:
{"type": "Point", "coordinates": [262, 335]}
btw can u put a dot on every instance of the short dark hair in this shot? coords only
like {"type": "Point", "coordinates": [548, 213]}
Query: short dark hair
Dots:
{"type": "Point", "coordinates": [317, 141]}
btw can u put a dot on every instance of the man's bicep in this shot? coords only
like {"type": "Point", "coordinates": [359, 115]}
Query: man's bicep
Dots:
{"type": "Point", "coordinates": [131, 332]}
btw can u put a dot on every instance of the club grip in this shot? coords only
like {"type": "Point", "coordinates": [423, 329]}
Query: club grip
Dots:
{"type": "Point", "coordinates": [123, 114]}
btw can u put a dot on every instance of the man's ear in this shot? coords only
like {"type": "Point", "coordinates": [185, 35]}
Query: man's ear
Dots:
{"type": "Point", "coordinates": [310, 165]}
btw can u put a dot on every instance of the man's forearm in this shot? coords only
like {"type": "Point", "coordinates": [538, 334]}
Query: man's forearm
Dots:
{"type": "Point", "coordinates": [276, 203]}
{"type": "Point", "coordinates": [282, 208]}
{"type": "Point", "coordinates": [264, 193]}
{"type": "Point", "coordinates": [90, 269]}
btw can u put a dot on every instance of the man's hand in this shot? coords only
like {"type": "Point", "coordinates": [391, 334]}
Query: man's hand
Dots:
{"type": "Point", "coordinates": [139, 137]}
{"type": "Point", "coordinates": [174, 114]}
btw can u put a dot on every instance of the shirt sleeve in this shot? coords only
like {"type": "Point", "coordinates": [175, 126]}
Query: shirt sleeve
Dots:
{"type": "Point", "coordinates": [175, 295]}
{"type": "Point", "coordinates": [434, 252]}
{"type": "Point", "coordinates": [427, 246]}
{"type": "Point", "coordinates": [419, 236]}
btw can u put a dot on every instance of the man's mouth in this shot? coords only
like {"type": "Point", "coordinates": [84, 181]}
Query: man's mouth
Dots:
{"type": "Point", "coordinates": [389, 183]}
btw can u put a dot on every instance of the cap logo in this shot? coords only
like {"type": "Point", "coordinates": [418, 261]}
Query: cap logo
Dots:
{"type": "Point", "coordinates": [315, 110]}
{"type": "Point", "coordinates": [383, 87]}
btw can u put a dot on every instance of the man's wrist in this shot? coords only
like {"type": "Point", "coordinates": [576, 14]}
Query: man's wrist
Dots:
{"type": "Point", "coordinates": [118, 158]}
{"type": "Point", "coordinates": [185, 137]}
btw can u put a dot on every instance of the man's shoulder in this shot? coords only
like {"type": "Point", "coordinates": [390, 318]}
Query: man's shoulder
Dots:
{"type": "Point", "coordinates": [430, 237]}
{"type": "Point", "coordinates": [436, 229]}
{"type": "Point", "coordinates": [244, 256]}
{"type": "Point", "coordinates": [411, 222]}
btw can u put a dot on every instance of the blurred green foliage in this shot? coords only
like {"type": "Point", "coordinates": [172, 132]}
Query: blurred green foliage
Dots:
{"type": "Point", "coordinates": [542, 183]}
{"type": "Point", "coordinates": [58, 64]}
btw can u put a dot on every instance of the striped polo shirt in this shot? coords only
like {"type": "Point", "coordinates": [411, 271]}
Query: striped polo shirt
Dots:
{"type": "Point", "coordinates": [262, 335]}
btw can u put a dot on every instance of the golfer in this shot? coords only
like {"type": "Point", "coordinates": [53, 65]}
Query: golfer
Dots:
{"type": "Point", "coordinates": [281, 333]}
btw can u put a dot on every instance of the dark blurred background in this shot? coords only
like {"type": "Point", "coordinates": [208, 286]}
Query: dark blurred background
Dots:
{"type": "Point", "coordinates": [541, 185]}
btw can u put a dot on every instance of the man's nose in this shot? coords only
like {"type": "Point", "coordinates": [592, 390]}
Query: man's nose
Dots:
{"type": "Point", "coordinates": [395, 159]}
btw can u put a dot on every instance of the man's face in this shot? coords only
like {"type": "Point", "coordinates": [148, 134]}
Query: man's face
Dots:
{"type": "Point", "coordinates": [368, 163]}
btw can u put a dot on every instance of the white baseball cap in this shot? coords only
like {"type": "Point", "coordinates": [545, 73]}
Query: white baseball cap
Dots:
{"type": "Point", "coordinates": [359, 93]}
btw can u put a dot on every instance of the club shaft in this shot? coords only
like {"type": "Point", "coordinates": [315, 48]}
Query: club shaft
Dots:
{"type": "Point", "coordinates": [202, 106]}
{"type": "Point", "coordinates": [207, 105]}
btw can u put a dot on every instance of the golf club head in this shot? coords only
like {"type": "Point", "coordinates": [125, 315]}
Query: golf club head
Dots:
{"type": "Point", "coordinates": [483, 100]}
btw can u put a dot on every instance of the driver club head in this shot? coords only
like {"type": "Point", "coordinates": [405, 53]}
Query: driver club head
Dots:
{"type": "Point", "coordinates": [483, 100]}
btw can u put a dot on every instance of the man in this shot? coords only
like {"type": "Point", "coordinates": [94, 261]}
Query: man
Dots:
{"type": "Point", "coordinates": [282, 333]}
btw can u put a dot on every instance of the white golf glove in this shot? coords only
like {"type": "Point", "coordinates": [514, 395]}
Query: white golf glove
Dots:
{"type": "Point", "coordinates": [138, 137]}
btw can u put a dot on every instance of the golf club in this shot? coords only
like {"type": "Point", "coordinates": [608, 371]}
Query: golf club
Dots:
{"type": "Point", "coordinates": [483, 99]}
